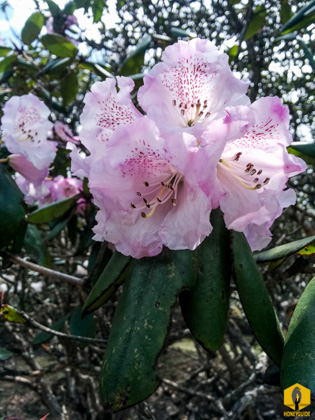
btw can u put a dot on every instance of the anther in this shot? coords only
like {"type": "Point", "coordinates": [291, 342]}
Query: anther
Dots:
{"type": "Point", "coordinates": [139, 193]}
{"type": "Point", "coordinates": [253, 172]}
{"type": "Point", "coordinates": [259, 172]}
{"type": "Point", "coordinates": [183, 112]}
{"type": "Point", "coordinates": [145, 200]}
{"type": "Point", "coordinates": [173, 200]}
{"type": "Point", "coordinates": [258, 186]}
{"type": "Point", "coordinates": [238, 155]}
{"type": "Point", "coordinates": [256, 180]}
{"type": "Point", "coordinates": [174, 102]}
{"type": "Point", "coordinates": [132, 205]}
{"type": "Point", "coordinates": [146, 183]}
{"type": "Point", "coordinates": [143, 215]}
{"type": "Point", "coordinates": [148, 205]}
{"type": "Point", "coordinates": [266, 181]}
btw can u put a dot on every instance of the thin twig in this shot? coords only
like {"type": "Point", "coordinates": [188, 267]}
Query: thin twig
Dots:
{"type": "Point", "coordinates": [43, 270]}
{"type": "Point", "coordinates": [30, 321]}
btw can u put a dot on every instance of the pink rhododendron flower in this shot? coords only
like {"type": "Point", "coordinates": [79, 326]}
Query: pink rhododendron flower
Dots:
{"type": "Point", "coordinates": [191, 87]}
{"type": "Point", "coordinates": [33, 192]}
{"type": "Point", "coordinates": [105, 109]}
{"type": "Point", "coordinates": [22, 165]}
{"type": "Point", "coordinates": [64, 132]}
{"type": "Point", "coordinates": [149, 191]}
{"type": "Point", "coordinates": [254, 169]}
{"type": "Point", "coordinates": [25, 125]}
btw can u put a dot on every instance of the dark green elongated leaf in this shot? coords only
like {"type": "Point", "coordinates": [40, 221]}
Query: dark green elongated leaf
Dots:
{"type": "Point", "coordinates": [5, 354]}
{"type": "Point", "coordinates": [69, 88]}
{"type": "Point", "coordinates": [255, 299]}
{"type": "Point", "coordinates": [310, 160]}
{"type": "Point", "coordinates": [52, 211]}
{"type": "Point", "coordinates": [309, 55]}
{"type": "Point", "coordinates": [35, 246]}
{"type": "Point", "coordinates": [57, 65]}
{"type": "Point", "coordinates": [179, 33]}
{"type": "Point", "coordinates": [83, 327]}
{"type": "Point", "coordinates": [69, 8]}
{"type": "Point", "coordinates": [32, 28]}
{"type": "Point", "coordinates": [298, 16]}
{"type": "Point", "coordinates": [12, 210]}
{"type": "Point", "coordinates": [44, 336]}
{"type": "Point", "coordinates": [308, 148]}
{"type": "Point", "coordinates": [135, 60]}
{"type": "Point", "coordinates": [283, 250]}
{"type": "Point", "coordinates": [298, 363]}
{"type": "Point", "coordinates": [4, 51]}
{"type": "Point", "coordinates": [108, 282]}
{"type": "Point", "coordinates": [31, 69]}
{"type": "Point", "coordinates": [60, 224]}
{"type": "Point", "coordinates": [59, 45]}
{"type": "Point", "coordinates": [140, 326]}
{"type": "Point", "coordinates": [255, 24]}
{"type": "Point", "coordinates": [53, 7]}
{"type": "Point", "coordinates": [303, 24]}
{"type": "Point", "coordinates": [7, 63]}
{"type": "Point", "coordinates": [205, 308]}
{"type": "Point", "coordinates": [97, 9]}
{"type": "Point", "coordinates": [285, 11]}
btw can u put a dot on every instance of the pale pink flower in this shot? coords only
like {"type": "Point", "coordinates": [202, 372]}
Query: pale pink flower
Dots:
{"type": "Point", "coordinates": [21, 164]}
{"type": "Point", "coordinates": [191, 87]}
{"type": "Point", "coordinates": [105, 109]}
{"type": "Point", "coordinates": [254, 169]}
{"type": "Point", "coordinates": [64, 132]}
{"type": "Point", "coordinates": [150, 191]}
{"type": "Point", "coordinates": [25, 126]}
{"type": "Point", "coordinates": [33, 192]}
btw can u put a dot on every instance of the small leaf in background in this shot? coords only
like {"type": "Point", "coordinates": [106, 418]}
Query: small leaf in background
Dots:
{"type": "Point", "coordinates": [180, 33]}
{"type": "Point", "coordinates": [97, 9]}
{"type": "Point", "coordinates": [108, 282]}
{"type": "Point", "coordinates": [255, 299]}
{"type": "Point", "coordinates": [7, 63]}
{"type": "Point", "coordinates": [5, 354]}
{"type": "Point", "coordinates": [4, 51]}
{"type": "Point", "coordinates": [298, 17]}
{"type": "Point", "coordinates": [35, 246]}
{"type": "Point", "coordinates": [12, 210]}
{"type": "Point", "coordinates": [298, 363]}
{"type": "Point", "coordinates": [285, 11]}
{"type": "Point", "coordinates": [135, 60]}
{"type": "Point", "coordinates": [44, 336]}
{"type": "Point", "coordinates": [83, 327]}
{"type": "Point", "coordinates": [32, 28]}
{"type": "Point", "coordinates": [233, 52]}
{"type": "Point", "coordinates": [53, 7]}
{"type": "Point", "coordinates": [10, 314]}
{"type": "Point", "coordinates": [52, 211]}
{"type": "Point", "coordinates": [308, 250]}
{"type": "Point", "coordinates": [205, 307]}
{"type": "Point", "coordinates": [59, 45]}
{"type": "Point", "coordinates": [283, 250]}
{"type": "Point", "coordinates": [256, 23]}
{"type": "Point", "coordinates": [140, 325]}
{"type": "Point", "coordinates": [69, 88]}
{"type": "Point", "coordinates": [309, 55]}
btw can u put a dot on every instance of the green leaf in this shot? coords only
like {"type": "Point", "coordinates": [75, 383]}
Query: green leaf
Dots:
{"type": "Point", "coordinates": [69, 88]}
{"type": "Point", "coordinates": [303, 24]}
{"type": "Point", "coordinates": [255, 24]}
{"type": "Point", "coordinates": [283, 250]}
{"type": "Point", "coordinates": [7, 63]}
{"type": "Point", "coordinates": [4, 51]}
{"type": "Point", "coordinates": [58, 66]}
{"type": "Point", "coordinates": [35, 246]}
{"type": "Point", "coordinates": [135, 60]}
{"type": "Point", "coordinates": [205, 308]}
{"type": "Point", "coordinates": [53, 7]}
{"type": "Point", "coordinates": [10, 314]}
{"type": "Point", "coordinates": [285, 11]}
{"type": "Point", "coordinates": [12, 210]}
{"type": "Point", "coordinates": [32, 28]}
{"type": "Point", "coordinates": [298, 363]}
{"type": "Point", "coordinates": [307, 250]}
{"type": "Point", "coordinates": [309, 55]}
{"type": "Point", "coordinates": [179, 33]}
{"type": "Point", "coordinates": [44, 336]}
{"type": "Point", "coordinates": [5, 354]}
{"type": "Point", "coordinates": [83, 327]}
{"type": "Point", "coordinates": [140, 326]}
{"type": "Point", "coordinates": [298, 16]}
{"type": "Point", "coordinates": [255, 299]}
{"type": "Point", "coordinates": [59, 45]}
{"type": "Point", "coordinates": [52, 211]}
{"type": "Point", "coordinates": [97, 9]}
{"type": "Point", "coordinates": [101, 71]}
{"type": "Point", "coordinates": [108, 282]}
{"type": "Point", "coordinates": [305, 151]}
{"type": "Point", "coordinates": [69, 8]}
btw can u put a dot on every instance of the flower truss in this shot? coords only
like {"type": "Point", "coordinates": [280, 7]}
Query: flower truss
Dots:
{"type": "Point", "coordinates": [155, 178]}
{"type": "Point", "coordinates": [25, 126]}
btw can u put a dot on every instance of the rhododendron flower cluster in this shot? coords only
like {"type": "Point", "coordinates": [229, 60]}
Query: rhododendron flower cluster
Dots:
{"type": "Point", "coordinates": [25, 126]}
{"type": "Point", "coordinates": [155, 177]}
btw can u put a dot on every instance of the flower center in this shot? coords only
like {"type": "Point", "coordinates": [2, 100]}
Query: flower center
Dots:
{"type": "Point", "coordinates": [157, 193]}
{"type": "Point", "coordinates": [22, 133]}
{"type": "Point", "coordinates": [245, 173]}
{"type": "Point", "coordinates": [192, 112]}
